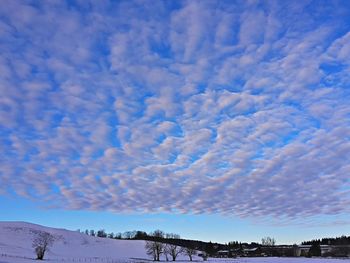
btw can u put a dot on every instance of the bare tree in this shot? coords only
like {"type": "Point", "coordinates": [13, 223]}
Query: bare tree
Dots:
{"type": "Point", "coordinates": [41, 244]}
{"type": "Point", "coordinates": [173, 250]}
{"type": "Point", "coordinates": [154, 249]}
{"type": "Point", "coordinates": [189, 252]}
{"type": "Point", "coordinates": [166, 252]}
{"type": "Point", "coordinates": [268, 241]}
{"type": "Point", "coordinates": [159, 248]}
{"type": "Point", "coordinates": [151, 249]}
{"type": "Point", "coordinates": [158, 234]}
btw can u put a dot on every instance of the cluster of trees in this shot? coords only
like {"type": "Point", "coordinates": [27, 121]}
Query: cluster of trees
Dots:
{"type": "Point", "coordinates": [337, 251]}
{"type": "Point", "coordinates": [337, 241]}
{"type": "Point", "coordinates": [341, 246]}
{"type": "Point", "coordinates": [171, 245]}
{"type": "Point", "coordinates": [268, 241]}
{"type": "Point", "coordinates": [158, 246]}
{"type": "Point", "coordinates": [158, 235]}
{"type": "Point", "coordinates": [233, 248]}
{"type": "Point", "coordinates": [126, 235]}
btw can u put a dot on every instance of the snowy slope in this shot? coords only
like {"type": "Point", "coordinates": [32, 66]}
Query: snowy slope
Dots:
{"type": "Point", "coordinates": [16, 240]}
{"type": "Point", "coordinates": [278, 260]}
{"type": "Point", "coordinates": [69, 246]}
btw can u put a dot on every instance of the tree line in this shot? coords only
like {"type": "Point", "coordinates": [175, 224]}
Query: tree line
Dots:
{"type": "Point", "coordinates": [337, 241]}
{"type": "Point", "coordinates": [162, 237]}
{"type": "Point", "coordinates": [125, 235]}
{"type": "Point", "coordinates": [160, 245]}
{"type": "Point", "coordinates": [171, 245]}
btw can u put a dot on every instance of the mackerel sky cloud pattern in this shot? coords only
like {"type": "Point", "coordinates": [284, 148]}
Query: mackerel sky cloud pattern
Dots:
{"type": "Point", "coordinates": [198, 107]}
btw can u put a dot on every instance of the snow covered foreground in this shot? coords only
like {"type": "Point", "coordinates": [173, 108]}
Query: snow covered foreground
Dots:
{"type": "Point", "coordinates": [70, 246]}
{"type": "Point", "coordinates": [278, 260]}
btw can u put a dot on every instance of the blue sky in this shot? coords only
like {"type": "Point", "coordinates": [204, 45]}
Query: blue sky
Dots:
{"type": "Point", "coordinates": [218, 120]}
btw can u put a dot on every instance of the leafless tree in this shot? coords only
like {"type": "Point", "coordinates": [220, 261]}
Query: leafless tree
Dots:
{"type": "Point", "coordinates": [41, 244]}
{"type": "Point", "coordinates": [158, 234]}
{"type": "Point", "coordinates": [159, 248]}
{"type": "Point", "coordinates": [189, 252]}
{"type": "Point", "coordinates": [151, 250]}
{"type": "Point", "coordinates": [154, 249]}
{"type": "Point", "coordinates": [166, 252]}
{"type": "Point", "coordinates": [268, 241]}
{"type": "Point", "coordinates": [173, 250]}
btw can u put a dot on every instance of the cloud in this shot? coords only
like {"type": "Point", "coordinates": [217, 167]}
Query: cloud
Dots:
{"type": "Point", "coordinates": [201, 107]}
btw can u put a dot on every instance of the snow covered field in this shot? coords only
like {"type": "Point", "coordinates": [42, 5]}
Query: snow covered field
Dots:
{"type": "Point", "coordinates": [69, 246]}
{"type": "Point", "coordinates": [279, 260]}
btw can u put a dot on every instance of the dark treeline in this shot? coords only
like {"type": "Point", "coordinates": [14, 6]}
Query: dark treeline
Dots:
{"type": "Point", "coordinates": [125, 235]}
{"type": "Point", "coordinates": [209, 247]}
{"type": "Point", "coordinates": [337, 241]}
{"type": "Point", "coordinates": [169, 238]}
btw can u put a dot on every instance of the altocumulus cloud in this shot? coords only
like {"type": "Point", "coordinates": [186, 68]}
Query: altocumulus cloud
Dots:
{"type": "Point", "coordinates": [184, 107]}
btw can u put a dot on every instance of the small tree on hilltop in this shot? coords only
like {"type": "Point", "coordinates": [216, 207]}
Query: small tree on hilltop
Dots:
{"type": "Point", "coordinates": [158, 234]}
{"type": "Point", "coordinates": [41, 244]}
{"type": "Point", "coordinates": [268, 241]}
{"type": "Point", "coordinates": [101, 233]}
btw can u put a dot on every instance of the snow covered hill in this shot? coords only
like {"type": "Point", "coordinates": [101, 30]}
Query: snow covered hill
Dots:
{"type": "Point", "coordinates": [16, 242]}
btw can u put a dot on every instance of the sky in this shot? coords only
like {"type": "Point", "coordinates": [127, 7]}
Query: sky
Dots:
{"type": "Point", "coordinates": [216, 120]}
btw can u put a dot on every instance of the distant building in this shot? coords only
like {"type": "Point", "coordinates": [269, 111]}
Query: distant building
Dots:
{"type": "Point", "coordinates": [278, 251]}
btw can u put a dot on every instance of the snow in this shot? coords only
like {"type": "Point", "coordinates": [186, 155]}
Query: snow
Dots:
{"type": "Point", "coordinates": [16, 241]}
{"type": "Point", "coordinates": [278, 260]}
{"type": "Point", "coordinates": [70, 246]}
